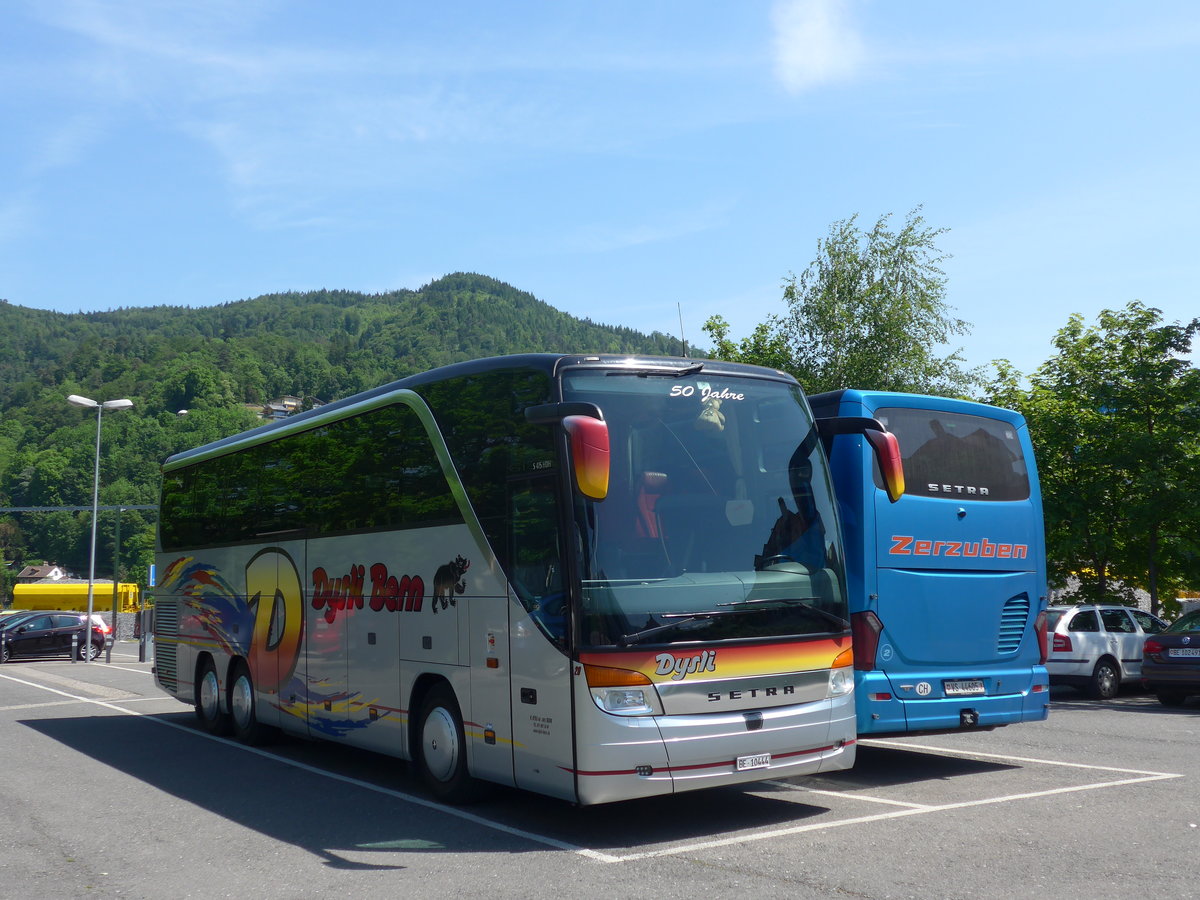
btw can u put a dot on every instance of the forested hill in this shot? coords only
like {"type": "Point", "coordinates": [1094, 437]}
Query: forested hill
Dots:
{"type": "Point", "coordinates": [324, 344]}
{"type": "Point", "coordinates": [214, 362]}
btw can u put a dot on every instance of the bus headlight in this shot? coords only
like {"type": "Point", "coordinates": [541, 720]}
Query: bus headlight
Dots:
{"type": "Point", "coordinates": [622, 692]}
{"type": "Point", "coordinates": [841, 675]}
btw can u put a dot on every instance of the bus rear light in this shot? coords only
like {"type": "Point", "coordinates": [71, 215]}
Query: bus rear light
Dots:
{"type": "Point", "coordinates": [1039, 626]}
{"type": "Point", "coordinates": [879, 697]}
{"type": "Point", "coordinates": [1040, 688]}
{"type": "Point", "coordinates": [865, 628]}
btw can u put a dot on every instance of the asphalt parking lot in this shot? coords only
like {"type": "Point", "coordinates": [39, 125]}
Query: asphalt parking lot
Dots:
{"type": "Point", "coordinates": [110, 790]}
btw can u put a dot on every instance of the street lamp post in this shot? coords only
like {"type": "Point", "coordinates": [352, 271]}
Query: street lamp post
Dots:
{"type": "Point", "coordinates": [76, 400]}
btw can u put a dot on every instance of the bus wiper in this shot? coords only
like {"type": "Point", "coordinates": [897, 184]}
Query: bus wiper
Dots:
{"type": "Point", "coordinates": [806, 602]}
{"type": "Point", "coordinates": [682, 622]}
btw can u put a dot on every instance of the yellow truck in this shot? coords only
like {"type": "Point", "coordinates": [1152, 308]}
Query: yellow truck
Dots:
{"type": "Point", "coordinates": [74, 596]}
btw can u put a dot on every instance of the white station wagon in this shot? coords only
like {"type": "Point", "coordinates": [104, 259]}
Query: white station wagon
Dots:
{"type": "Point", "coordinates": [1098, 648]}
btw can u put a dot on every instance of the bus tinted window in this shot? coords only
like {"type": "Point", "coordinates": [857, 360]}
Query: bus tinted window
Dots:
{"type": "Point", "coordinates": [957, 456]}
{"type": "Point", "coordinates": [372, 471]}
{"type": "Point", "coordinates": [482, 417]}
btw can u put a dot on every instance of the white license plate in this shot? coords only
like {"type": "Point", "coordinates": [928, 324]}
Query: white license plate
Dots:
{"type": "Point", "coordinates": [1183, 651]}
{"type": "Point", "coordinates": [761, 761]}
{"type": "Point", "coordinates": [969, 688]}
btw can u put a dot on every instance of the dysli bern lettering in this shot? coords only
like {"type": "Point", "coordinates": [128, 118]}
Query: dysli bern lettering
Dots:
{"type": "Point", "coordinates": [908, 545]}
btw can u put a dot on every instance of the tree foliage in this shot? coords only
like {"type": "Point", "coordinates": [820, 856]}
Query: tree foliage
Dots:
{"type": "Point", "coordinates": [869, 312]}
{"type": "Point", "coordinates": [1115, 419]}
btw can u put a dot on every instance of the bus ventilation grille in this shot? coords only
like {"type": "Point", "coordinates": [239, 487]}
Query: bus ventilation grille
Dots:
{"type": "Point", "coordinates": [166, 625]}
{"type": "Point", "coordinates": [1012, 623]}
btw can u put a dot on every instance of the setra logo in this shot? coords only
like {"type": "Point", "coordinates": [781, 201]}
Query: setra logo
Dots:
{"type": "Point", "coordinates": [679, 667]}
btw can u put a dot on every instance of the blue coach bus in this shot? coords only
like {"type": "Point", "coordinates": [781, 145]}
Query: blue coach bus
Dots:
{"type": "Point", "coordinates": [947, 585]}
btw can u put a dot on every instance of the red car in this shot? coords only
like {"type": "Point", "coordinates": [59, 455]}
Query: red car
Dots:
{"type": "Point", "coordinates": [50, 634]}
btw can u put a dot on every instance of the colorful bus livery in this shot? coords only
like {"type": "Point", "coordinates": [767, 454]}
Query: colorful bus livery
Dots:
{"type": "Point", "coordinates": [947, 585]}
{"type": "Point", "coordinates": [593, 577]}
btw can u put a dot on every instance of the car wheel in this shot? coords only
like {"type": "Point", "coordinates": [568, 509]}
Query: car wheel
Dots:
{"type": "Point", "coordinates": [208, 701]}
{"type": "Point", "coordinates": [1106, 680]}
{"type": "Point", "coordinates": [246, 727]}
{"type": "Point", "coordinates": [441, 753]}
{"type": "Point", "coordinates": [1171, 698]}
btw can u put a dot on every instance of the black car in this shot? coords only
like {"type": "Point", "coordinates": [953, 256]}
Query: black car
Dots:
{"type": "Point", "coordinates": [50, 634]}
{"type": "Point", "coordinates": [1171, 661]}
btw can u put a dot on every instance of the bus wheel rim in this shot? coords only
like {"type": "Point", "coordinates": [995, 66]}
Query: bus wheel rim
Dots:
{"type": "Point", "coordinates": [242, 701]}
{"type": "Point", "coordinates": [441, 744]}
{"type": "Point", "coordinates": [209, 695]}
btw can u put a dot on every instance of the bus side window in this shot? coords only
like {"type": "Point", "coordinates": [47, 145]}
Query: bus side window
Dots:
{"type": "Point", "coordinates": [535, 554]}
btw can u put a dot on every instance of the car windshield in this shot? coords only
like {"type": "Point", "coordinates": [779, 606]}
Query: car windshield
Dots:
{"type": "Point", "coordinates": [719, 520]}
{"type": "Point", "coordinates": [1188, 623]}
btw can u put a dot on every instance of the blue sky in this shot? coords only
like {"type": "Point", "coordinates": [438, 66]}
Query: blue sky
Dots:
{"type": "Point", "coordinates": [623, 161]}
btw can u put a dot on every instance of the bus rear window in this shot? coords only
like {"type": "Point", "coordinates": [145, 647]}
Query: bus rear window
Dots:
{"type": "Point", "coordinates": [956, 456]}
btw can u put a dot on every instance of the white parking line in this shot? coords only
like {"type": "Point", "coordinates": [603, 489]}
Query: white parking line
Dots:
{"type": "Point", "coordinates": [599, 856]}
{"type": "Point", "coordinates": [838, 823]}
{"type": "Point", "coordinates": [972, 754]}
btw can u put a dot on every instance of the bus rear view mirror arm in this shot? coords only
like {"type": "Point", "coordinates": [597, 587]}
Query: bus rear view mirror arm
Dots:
{"type": "Point", "coordinates": [588, 434]}
{"type": "Point", "coordinates": [882, 441]}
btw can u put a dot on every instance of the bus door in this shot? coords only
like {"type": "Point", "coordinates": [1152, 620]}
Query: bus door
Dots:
{"type": "Point", "coordinates": [275, 593]}
{"type": "Point", "coordinates": [540, 688]}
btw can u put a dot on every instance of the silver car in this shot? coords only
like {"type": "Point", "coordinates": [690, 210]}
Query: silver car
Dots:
{"type": "Point", "coordinates": [1098, 648]}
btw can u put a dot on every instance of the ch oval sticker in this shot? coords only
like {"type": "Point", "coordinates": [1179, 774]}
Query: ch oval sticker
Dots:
{"type": "Point", "coordinates": [924, 688]}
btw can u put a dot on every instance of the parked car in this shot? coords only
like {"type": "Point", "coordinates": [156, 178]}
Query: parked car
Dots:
{"type": "Point", "coordinates": [1171, 661]}
{"type": "Point", "coordinates": [50, 634]}
{"type": "Point", "coordinates": [1098, 648]}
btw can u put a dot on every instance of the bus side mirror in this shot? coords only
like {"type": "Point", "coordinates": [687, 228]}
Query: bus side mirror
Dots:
{"type": "Point", "coordinates": [887, 454]}
{"type": "Point", "coordinates": [589, 454]}
{"type": "Point", "coordinates": [883, 443]}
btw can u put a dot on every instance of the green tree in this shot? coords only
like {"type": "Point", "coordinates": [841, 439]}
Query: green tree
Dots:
{"type": "Point", "coordinates": [1115, 418]}
{"type": "Point", "coordinates": [869, 312]}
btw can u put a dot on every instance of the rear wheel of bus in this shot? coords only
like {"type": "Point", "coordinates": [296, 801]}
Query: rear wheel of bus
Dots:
{"type": "Point", "coordinates": [441, 753]}
{"type": "Point", "coordinates": [246, 727]}
{"type": "Point", "coordinates": [208, 700]}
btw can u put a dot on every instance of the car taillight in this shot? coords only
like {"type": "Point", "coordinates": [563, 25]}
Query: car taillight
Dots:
{"type": "Point", "coordinates": [1039, 626]}
{"type": "Point", "coordinates": [1062, 643]}
{"type": "Point", "coordinates": [1152, 648]}
{"type": "Point", "coordinates": [865, 629]}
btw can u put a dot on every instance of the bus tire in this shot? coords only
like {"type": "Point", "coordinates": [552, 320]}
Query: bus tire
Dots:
{"type": "Point", "coordinates": [442, 747]}
{"type": "Point", "coordinates": [208, 700]}
{"type": "Point", "coordinates": [242, 708]}
{"type": "Point", "coordinates": [1106, 679]}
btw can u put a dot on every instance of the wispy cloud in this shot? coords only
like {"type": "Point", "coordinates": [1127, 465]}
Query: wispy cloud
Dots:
{"type": "Point", "coordinates": [606, 238]}
{"type": "Point", "coordinates": [815, 43]}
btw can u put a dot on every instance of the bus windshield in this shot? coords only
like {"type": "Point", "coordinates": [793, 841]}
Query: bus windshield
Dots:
{"type": "Point", "coordinates": [719, 522]}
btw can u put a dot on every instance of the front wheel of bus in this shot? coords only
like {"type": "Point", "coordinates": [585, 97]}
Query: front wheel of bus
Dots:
{"type": "Point", "coordinates": [246, 727]}
{"type": "Point", "coordinates": [441, 747]}
{"type": "Point", "coordinates": [208, 700]}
